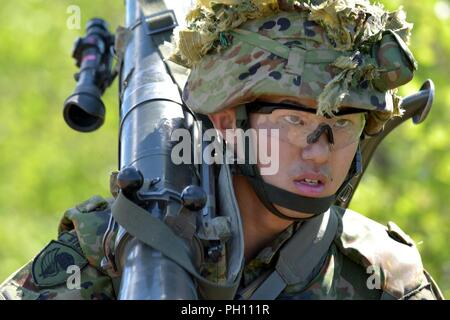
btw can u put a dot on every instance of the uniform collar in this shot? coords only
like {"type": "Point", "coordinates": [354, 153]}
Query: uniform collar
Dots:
{"type": "Point", "coordinates": [266, 255]}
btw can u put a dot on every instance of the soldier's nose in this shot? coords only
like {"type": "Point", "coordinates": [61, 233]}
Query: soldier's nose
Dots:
{"type": "Point", "coordinates": [319, 151]}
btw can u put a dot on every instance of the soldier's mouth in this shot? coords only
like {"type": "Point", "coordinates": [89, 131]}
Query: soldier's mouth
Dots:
{"type": "Point", "coordinates": [310, 184]}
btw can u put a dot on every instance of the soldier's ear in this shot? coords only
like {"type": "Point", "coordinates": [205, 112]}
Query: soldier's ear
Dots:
{"type": "Point", "coordinates": [224, 120]}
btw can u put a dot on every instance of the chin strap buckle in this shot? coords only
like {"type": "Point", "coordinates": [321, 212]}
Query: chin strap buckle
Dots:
{"type": "Point", "coordinates": [346, 193]}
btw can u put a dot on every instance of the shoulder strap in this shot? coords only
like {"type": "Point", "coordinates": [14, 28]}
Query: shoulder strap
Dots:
{"type": "Point", "coordinates": [156, 234]}
{"type": "Point", "coordinates": [300, 256]}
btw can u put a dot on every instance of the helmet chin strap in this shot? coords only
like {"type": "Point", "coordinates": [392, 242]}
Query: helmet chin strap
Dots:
{"type": "Point", "coordinates": [271, 195]}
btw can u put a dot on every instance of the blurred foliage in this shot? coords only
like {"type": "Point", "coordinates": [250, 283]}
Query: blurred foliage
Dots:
{"type": "Point", "coordinates": [47, 167]}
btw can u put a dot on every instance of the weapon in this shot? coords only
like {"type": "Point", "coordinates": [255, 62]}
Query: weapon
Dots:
{"type": "Point", "coordinates": [150, 111]}
{"type": "Point", "coordinates": [84, 110]}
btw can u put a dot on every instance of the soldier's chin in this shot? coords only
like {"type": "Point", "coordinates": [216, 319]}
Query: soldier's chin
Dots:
{"type": "Point", "coordinates": [293, 213]}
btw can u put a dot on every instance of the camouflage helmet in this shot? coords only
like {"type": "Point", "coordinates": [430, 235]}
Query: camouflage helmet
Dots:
{"type": "Point", "coordinates": [330, 53]}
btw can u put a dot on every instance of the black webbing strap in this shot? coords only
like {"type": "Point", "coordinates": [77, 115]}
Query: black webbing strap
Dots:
{"type": "Point", "coordinates": [287, 199]}
{"type": "Point", "coordinates": [155, 233]}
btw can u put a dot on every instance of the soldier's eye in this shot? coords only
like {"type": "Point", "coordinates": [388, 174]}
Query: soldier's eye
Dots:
{"type": "Point", "coordinates": [295, 120]}
{"type": "Point", "coordinates": [343, 123]}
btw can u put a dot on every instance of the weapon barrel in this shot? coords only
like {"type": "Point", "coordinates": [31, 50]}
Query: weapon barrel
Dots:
{"type": "Point", "coordinates": [151, 109]}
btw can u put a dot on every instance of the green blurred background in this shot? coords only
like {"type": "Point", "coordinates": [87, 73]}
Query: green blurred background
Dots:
{"type": "Point", "coordinates": [45, 167]}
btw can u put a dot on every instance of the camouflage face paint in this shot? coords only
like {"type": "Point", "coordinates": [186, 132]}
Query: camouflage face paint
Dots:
{"type": "Point", "coordinates": [321, 129]}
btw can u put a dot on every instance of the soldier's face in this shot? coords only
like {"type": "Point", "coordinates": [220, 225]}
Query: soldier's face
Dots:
{"type": "Point", "coordinates": [309, 169]}
{"type": "Point", "coordinates": [315, 169]}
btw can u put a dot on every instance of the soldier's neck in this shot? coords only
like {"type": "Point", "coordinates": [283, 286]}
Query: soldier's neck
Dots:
{"type": "Point", "coordinates": [260, 226]}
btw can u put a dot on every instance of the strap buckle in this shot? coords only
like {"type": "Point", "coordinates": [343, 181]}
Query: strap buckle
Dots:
{"type": "Point", "coordinates": [346, 193]}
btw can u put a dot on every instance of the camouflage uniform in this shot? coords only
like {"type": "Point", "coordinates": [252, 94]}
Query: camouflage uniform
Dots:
{"type": "Point", "coordinates": [325, 53]}
{"type": "Point", "coordinates": [342, 275]}
{"type": "Point", "coordinates": [79, 243]}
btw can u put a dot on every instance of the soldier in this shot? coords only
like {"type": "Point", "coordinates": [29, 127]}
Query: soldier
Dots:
{"type": "Point", "coordinates": [318, 76]}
